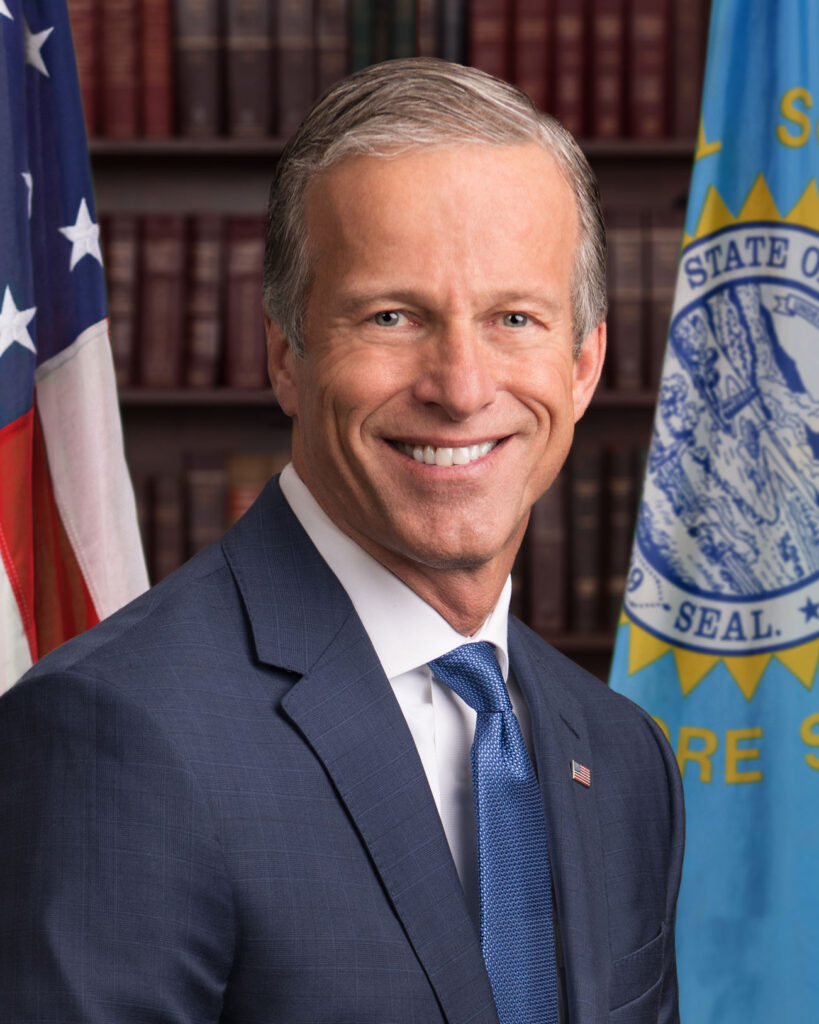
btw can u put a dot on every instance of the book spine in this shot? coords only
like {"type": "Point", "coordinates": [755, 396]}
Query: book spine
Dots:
{"type": "Point", "coordinates": [665, 240]}
{"type": "Point", "coordinates": [197, 50]}
{"type": "Point", "coordinates": [688, 43]}
{"type": "Point", "coordinates": [401, 29]}
{"type": "Point", "coordinates": [163, 303]}
{"type": "Point", "coordinates": [168, 533]}
{"type": "Point", "coordinates": [530, 48]}
{"type": "Point", "coordinates": [649, 77]}
{"type": "Point", "coordinates": [247, 473]}
{"type": "Point", "coordinates": [570, 75]}
{"type": "Point", "coordinates": [546, 546]}
{"type": "Point", "coordinates": [332, 42]}
{"type": "Point", "coordinates": [621, 485]}
{"type": "Point", "coordinates": [362, 33]}
{"type": "Point", "coordinates": [205, 494]}
{"type": "Point", "coordinates": [489, 36]}
{"type": "Point", "coordinates": [156, 75]}
{"type": "Point", "coordinates": [585, 468]}
{"type": "Point", "coordinates": [249, 68]}
{"type": "Point", "coordinates": [120, 85]}
{"type": "Point", "coordinates": [607, 50]}
{"type": "Point", "coordinates": [295, 64]}
{"type": "Point", "coordinates": [428, 42]}
{"type": "Point", "coordinates": [246, 356]}
{"type": "Point", "coordinates": [84, 17]}
{"type": "Point", "coordinates": [453, 30]}
{"type": "Point", "coordinates": [203, 319]}
{"type": "Point", "coordinates": [627, 275]}
{"type": "Point", "coordinates": [121, 247]}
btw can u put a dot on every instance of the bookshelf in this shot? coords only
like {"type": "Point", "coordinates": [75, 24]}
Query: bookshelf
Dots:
{"type": "Point", "coordinates": [199, 454]}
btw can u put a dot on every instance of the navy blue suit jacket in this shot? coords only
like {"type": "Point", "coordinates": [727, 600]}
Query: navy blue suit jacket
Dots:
{"type": "Point", "coordinates": [212, 810]}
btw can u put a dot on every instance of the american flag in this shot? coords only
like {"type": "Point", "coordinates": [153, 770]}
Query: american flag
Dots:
{"type": "Point", "coordinates": [69, 545]}
{"type": "Point", "coordinates": [581, 774]}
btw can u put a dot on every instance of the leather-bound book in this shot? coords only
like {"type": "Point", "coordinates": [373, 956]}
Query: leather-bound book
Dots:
{"type": "Point", "coordinates": [156, 68]}
{"type": "Point", "coordinates": [429, 28]}
{"type": "Point", "coordinates": [571, 74]}
{"type": "Point", "coordinates": [607, 107]}
{"type": "Point", "coordinates": [332, 42]}
{"type": "Point", "coordinates": [85, 21]}
{"type": "Point", "coordinates": [621, 507]}
{"type": "Point", "coordinates": [168, 527]}
{"type": "Point", "coordinates": [247, 473]}
{"type": "Point", "coordinates": [689, 35]}
{"type": "Point", "coordinates": [205, 496]}
{"type": "Point", "coordinates": [649, 75]}
{"type": "Point", "coordinates": [162, 326]}
{"type": "Point", "coordinates": [119, 27]}
{"type": "Point", "coordinates": [454, 30]}
{"type": "Point", "coordinates": [628, 300]}
{"type": "Point", "coordinates": [199, 70]}
{"type": "Point", "coordinates": [121, 251]}
{"type": "Point", "coordinates": [531, 25]}
{"type": "Point", "coordinates": [585, 469]}
{"type": "Point", "coordinates": [665, 240]}
{"type": "Point", "coordinates": [204, 302]}
{"type": "Point", "coordinates": [401, 29]}
{"type": "Point", "coordinates": [489, 25]}
{"type": "Point", "coordinates": [249, 68]}
{"type": "Point", "coordinates": [295, 64]}
{"type": "Point", "coordinates": [547, 561]}
{"type": "Point", "coordinates": [245, 350]}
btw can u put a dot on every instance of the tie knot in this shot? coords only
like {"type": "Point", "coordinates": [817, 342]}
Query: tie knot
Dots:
{"type": "Point", "coordinates": [472, 671]}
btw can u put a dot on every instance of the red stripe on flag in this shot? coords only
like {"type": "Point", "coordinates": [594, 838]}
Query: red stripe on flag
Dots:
{"type": "Point", "coordinates": [46, 579]}
{"type": "Point", "coordinates": [16, 520]}
{"type": "Point", "coordinates": [62, 602]}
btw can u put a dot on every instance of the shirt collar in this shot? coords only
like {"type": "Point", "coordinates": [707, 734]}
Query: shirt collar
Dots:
{"type": "Point", "coordinates": [405, 631]}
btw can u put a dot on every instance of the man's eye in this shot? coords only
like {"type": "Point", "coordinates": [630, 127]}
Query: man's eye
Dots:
{"type": "Point", "coordinates": [388, 318]}
{"type": "Point", "coordinates": [515, 320]}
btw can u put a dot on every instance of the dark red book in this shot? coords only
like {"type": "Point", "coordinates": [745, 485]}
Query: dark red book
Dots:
{"type": "Point", "coordinates": [584, 518]}
{"type": "Point", "coordinates": [530, 49]}
{"type": "Point", "coordinates": [119, 28]}
{"type": "Point", "coordinates": [332, 42]}
{"type": "Point", "coordinates": [163, 300]}
{"type": "Point", "coordinates": [121, 251]}
{"type": "Point", "coordinates": [198, 65]}
{"type": "Point", "coordinates": [689, 36]}
{"type": "Point", "coordinates": [85, 19]}
{"type": "Point", "coordinates": [665, 240]}
{"type": "Point", "coordinates": [249, 68]}
{"type": "Point", "coordinates": [489, 25]}
{"type": "Point", "coordinates": [401, 29]}
{"type": "Point", "coordinates": [628, 296]}
{"type": "Point", "coordinates": [649, 75]}
{"type": "Point", "coordinates": [453, 30]}
{"type": "Point", "coordinates": [569, 60]}
{"type": "Point", "coordinates": [295, 64]}
{"type": "Point", "coordinates": [245, 348]}
{"type": "Point", "coordinates": [607, 31]}
{"type": "Point", "coordinates": [247, 473]}
{"type": "Point", "coordinates": [156, 71]}
{"type": "Point", "coordinates": [203, 307]}
{"type": "Point", "coordinates": [168, 527]}
{"type": "Point", "coordinates": [547, 558]}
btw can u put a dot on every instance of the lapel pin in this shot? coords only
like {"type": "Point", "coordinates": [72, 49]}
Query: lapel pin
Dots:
{"type": "Point", "coordinates": [581, 774]}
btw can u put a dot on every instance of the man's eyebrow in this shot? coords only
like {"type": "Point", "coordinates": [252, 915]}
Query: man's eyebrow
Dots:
{"type": "Point", "coordinates": [354, 300]}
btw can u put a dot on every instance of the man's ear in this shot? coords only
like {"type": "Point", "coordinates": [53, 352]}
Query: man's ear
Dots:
{"type": "Point", "coordinates": [280, 367]}
{"type": "Point", "coordinates": [587, 369]}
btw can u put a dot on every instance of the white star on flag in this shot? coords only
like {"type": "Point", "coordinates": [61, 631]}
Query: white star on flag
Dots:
{"type": "Point", "coordinates": [34, 43]}
{"type": "Point", "coordinates": [27, 178]}
{"type": "Point", "coordinates": [13, 324]}
{"type": "Point", "coordinates": [84, 236]}
{"type": "Point", "coordinates": [5, 11]}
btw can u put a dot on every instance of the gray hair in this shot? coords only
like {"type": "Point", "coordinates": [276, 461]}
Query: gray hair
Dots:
{"type": "Point", "coordinates": [400, 105]}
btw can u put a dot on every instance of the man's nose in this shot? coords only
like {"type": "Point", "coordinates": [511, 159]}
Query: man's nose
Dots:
{"type": "Point", "coordinates": [457, 371]}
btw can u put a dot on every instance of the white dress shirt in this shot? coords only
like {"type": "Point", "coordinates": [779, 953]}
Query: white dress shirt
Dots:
{"type": "Point", "coordinates": [407, 633]}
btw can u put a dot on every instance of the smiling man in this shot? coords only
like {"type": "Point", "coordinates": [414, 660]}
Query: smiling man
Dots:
{"type": "Point", "coordinates": [319, 774]}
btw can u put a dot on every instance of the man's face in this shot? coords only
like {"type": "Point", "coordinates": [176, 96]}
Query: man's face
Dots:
{"type": "Point", "coordinates": [437, 396]}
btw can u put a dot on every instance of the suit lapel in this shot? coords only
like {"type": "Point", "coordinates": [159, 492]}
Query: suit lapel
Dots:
{"type": "Point", "coordinates": [345, 708]}
{"type": "Point", "coordinates": [575, 848]}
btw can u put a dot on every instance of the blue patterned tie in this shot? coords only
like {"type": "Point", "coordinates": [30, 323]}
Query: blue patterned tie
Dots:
{"type": "Point", "coordinates": [517, 935]}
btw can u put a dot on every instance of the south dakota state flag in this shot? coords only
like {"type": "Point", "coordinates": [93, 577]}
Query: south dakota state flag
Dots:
{"type": "Point", "coordinates": [69, 547]}
{"type": "Point", "coordinates": [719, 638]}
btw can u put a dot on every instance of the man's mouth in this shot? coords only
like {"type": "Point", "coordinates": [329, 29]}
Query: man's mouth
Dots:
{"type": "Point", "coordinates": [434, 456]}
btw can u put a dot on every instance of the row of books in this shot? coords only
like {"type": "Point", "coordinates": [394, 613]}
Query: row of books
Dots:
{"type": "Point", "coordinates": [574, 562]}
{"type": "Point", "coordinates": [184, 296]}
{"type": "Point", "coordinates": [251, 68]}
{"type": "Point", "coordinates": [570, 575]}
{"type": "Point", "coordinates": [184, 299]}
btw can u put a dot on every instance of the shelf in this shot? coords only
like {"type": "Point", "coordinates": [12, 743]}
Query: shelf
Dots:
{"type": "Point", "coordinates": [195, 398]}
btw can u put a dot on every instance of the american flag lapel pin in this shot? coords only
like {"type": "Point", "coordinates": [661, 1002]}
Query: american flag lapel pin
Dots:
{"type": "Point", "coordinates": [581, 774]}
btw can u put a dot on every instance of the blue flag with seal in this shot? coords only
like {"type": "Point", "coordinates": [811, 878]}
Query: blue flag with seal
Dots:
{"type": "Point", "coordinates": [719, 637]}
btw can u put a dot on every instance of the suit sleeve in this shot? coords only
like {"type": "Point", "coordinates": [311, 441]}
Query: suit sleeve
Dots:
{"type": "Point", "coordinates": [114, 902]}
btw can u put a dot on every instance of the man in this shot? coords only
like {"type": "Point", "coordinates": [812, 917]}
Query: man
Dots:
{"type": "Point", "coordinates": [247, 797]}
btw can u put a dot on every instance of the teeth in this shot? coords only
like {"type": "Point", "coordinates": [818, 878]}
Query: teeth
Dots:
{"type": "Point", "coordinates": [446, 456]}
